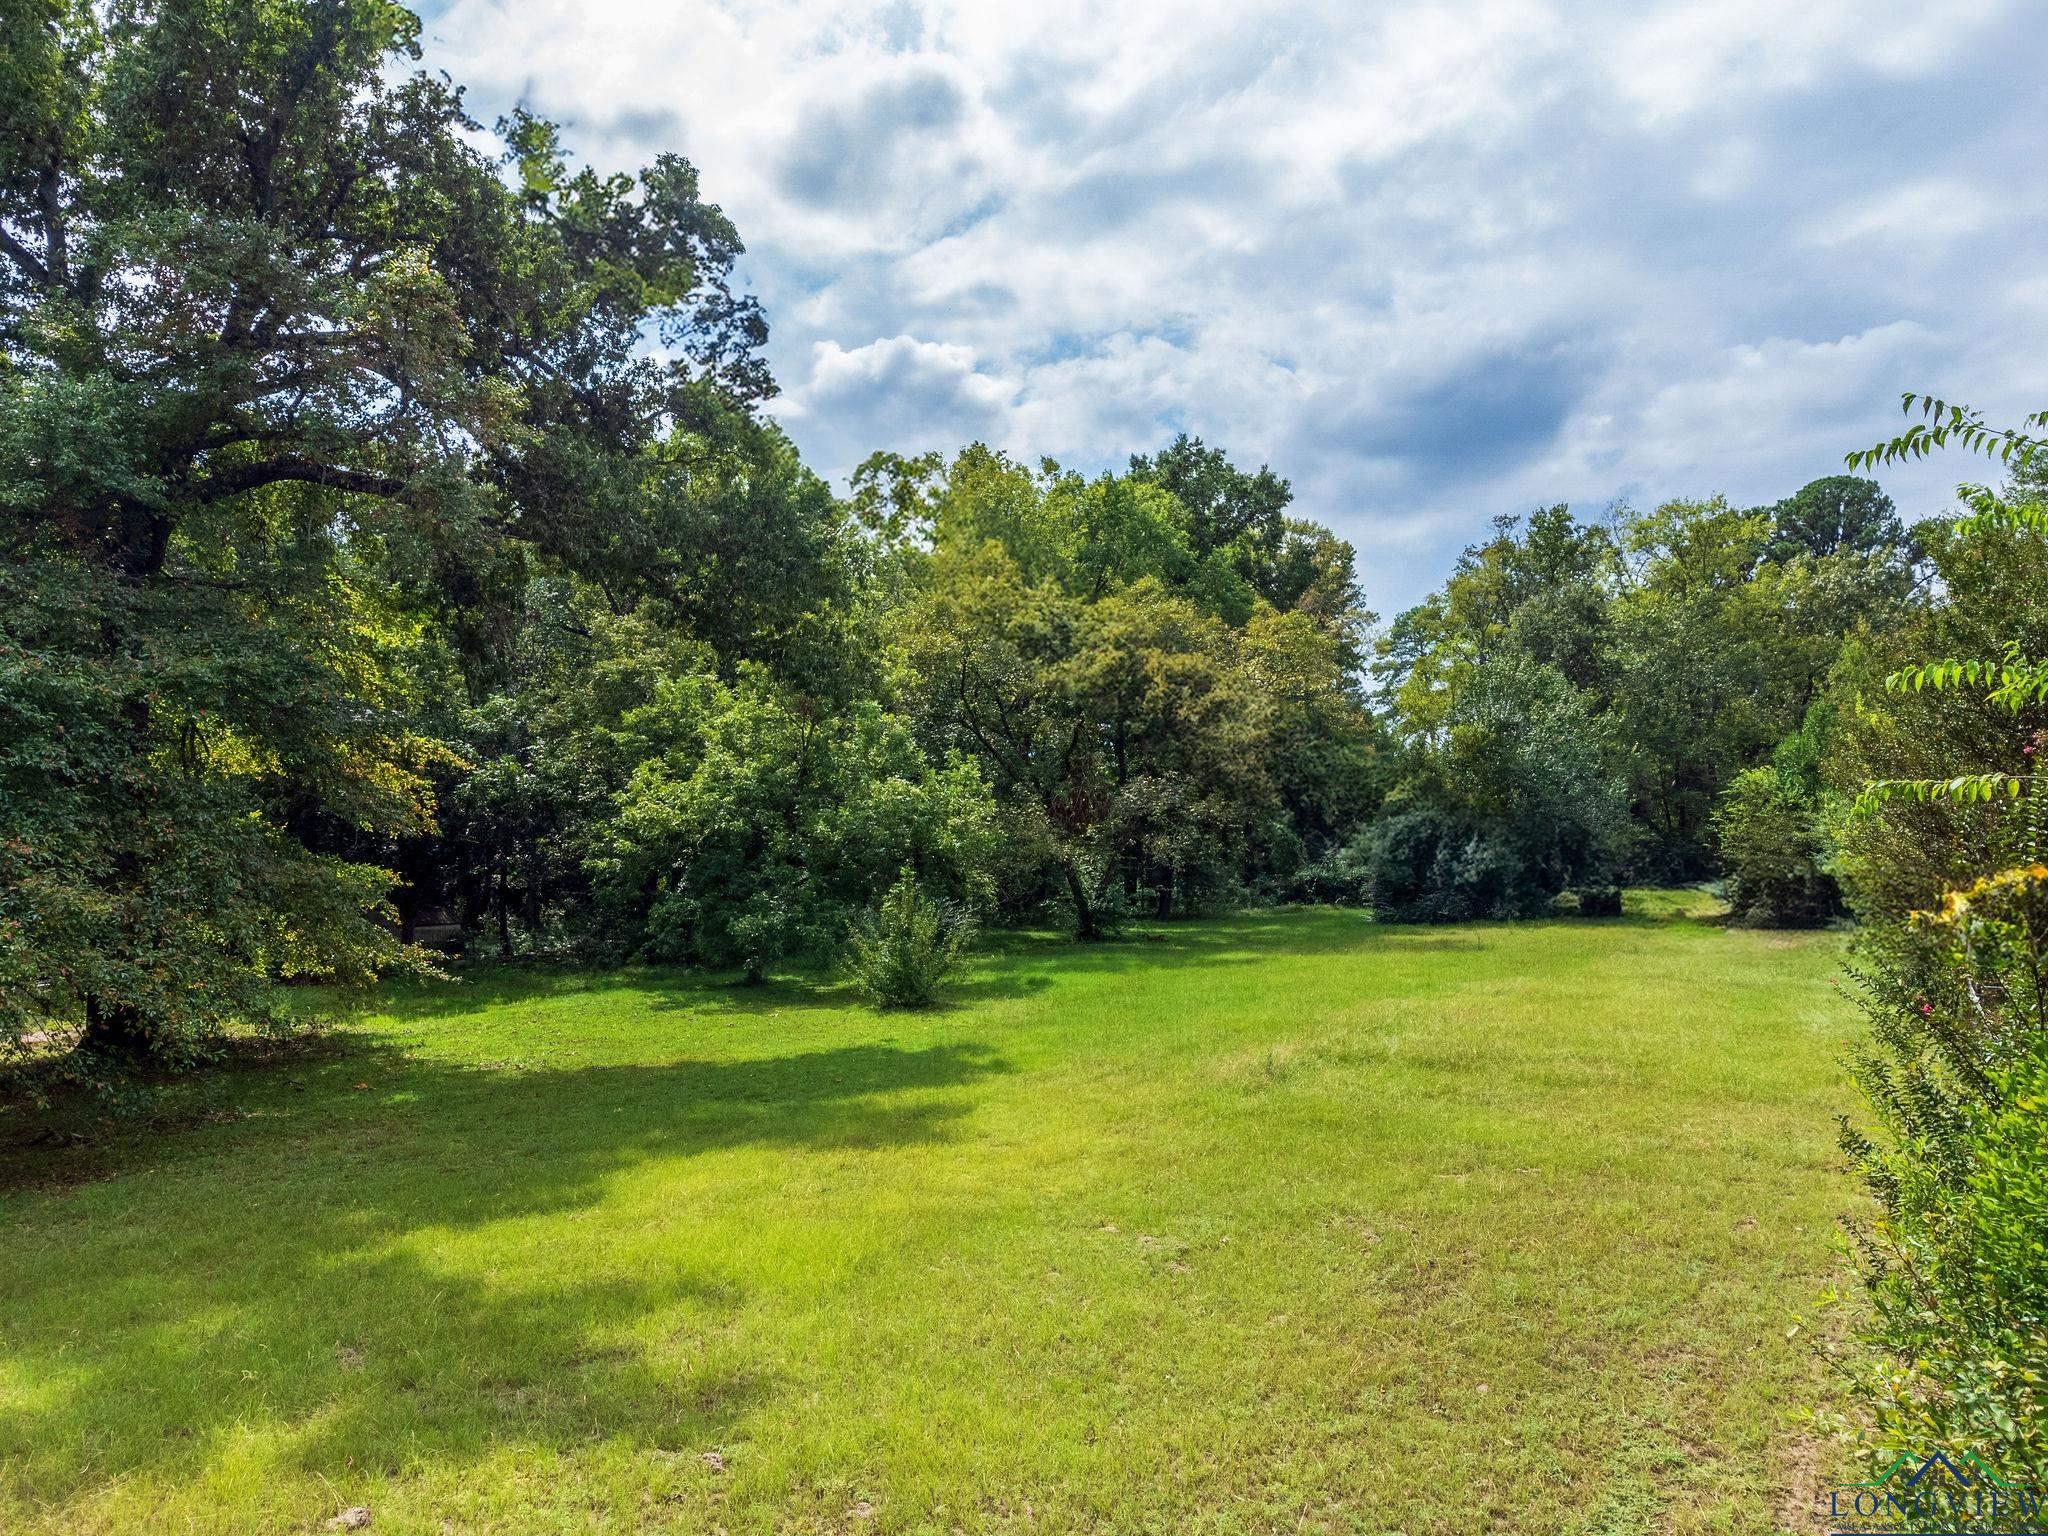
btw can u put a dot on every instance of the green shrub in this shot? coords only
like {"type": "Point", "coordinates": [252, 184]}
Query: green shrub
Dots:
{"type": "Point", "coordinates": [1958, 1257]}
{"type": "Point", "coordinates": [1600, 901]}
{"type": "Point", "coordinates": [1775, 851]}
{"type": "Point", "coordinates": [1427, 864]}
{"type": "Point", "coordinates": [1411, 871]}
{"type": "Point", "coordinates": [909, 945]}
{"type": "Point", "coordinates": [1949, 762]}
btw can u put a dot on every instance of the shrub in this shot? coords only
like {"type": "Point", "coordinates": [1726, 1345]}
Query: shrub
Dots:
{"type": "Point", "coordinates": [1775, 851]}
{"type": "Point", "coordinates": [1341, 877]}
{"type": "Point", "coordinates": [1426, 864]}
{"type": "Point", "coordinates": [1957, 1262]}
{"type": "Point", "coordinates": [909, 945]}
{"type": "Point", "coordinates": [1957, 1071]}
{"type": "Point", "coordinates": [1600, 901]}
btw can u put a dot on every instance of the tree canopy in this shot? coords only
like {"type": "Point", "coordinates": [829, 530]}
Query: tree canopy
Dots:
{"type": "Point", "coordinates": [394, 544]}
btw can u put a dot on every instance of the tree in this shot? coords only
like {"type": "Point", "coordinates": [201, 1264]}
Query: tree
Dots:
{"type": "Point", "coordinates": [1772, 826]}
{"type": "Point", "coordinates": [1155, 729]}
{"type": "Point", "coordinates": [1838, 514]}
{"type": "Point", "coordinates": [1513, 802]}
{"type": "Point", "coordinates": [285, 365]}
{"type": "Point", "coordinates": [1326, 755]}
{"type": "Point", "coordinates": [768, 826]}
{"type": "Point", "coordinates": [988, 658]}
{"type": "Point", "coordinates": [1224, 505]}
{"type": "Point", "coordinates": [1695, 647]}
{"type": "Point", "coordinates": [1539, 589]}
{"type": "Point", "coordinates": [1711, 669]}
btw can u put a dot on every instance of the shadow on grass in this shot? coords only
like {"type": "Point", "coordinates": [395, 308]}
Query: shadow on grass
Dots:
{"type": "Point", "coordinates": [347, 1271]}
{"type": "Point", "coordinates": [1007, 963]}
{"type": "Point", "coordinates": [305, 1271]}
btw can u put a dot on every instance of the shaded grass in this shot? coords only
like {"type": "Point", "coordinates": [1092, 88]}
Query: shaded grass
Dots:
{"type": "Point", "coordinates": [1281, 1222]}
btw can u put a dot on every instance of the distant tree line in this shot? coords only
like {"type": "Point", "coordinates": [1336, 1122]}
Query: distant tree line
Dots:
{"type": "Point", "coordinates": [1577, 702]}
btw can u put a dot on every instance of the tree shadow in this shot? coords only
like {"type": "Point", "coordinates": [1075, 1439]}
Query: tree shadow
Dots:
{"type": "Point", "coordinates": [1006, 964]}
{"type": "Point", "coordinates": [305, 1269]}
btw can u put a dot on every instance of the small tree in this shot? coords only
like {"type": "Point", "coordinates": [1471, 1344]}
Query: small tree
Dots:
{"type": "Point", "coordinates": [1774, 848]}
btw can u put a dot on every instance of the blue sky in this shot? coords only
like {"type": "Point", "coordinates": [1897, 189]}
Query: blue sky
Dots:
{"type": "Point", "coordinates": [1433, 262]}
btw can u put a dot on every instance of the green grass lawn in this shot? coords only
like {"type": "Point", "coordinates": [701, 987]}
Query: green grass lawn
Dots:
{"type": "Point", "coordinates": [1286, 1222]}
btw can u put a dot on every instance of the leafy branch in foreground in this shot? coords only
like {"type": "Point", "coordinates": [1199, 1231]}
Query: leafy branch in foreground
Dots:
{"type": "Point", "coordinates": [2012, 682]}
{"type": "Point", "coordinates": [1957, 991]}
{"type": "Point", "coordinates": [1944, 425]}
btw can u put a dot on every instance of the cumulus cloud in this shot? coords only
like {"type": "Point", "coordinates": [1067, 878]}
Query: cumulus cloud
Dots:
{"type": "Point", "coordinates": [1433, 261]}
{"type": "Point", "coordinates": [898, 392]}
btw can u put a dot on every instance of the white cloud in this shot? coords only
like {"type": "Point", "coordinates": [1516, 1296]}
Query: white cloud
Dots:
{"type": "Point", "coordinates": [1676, 59]}
{"type": "Point", "coordinates": [1433, 260]}
{"type": "Point", "coordinates": [1917, 214]}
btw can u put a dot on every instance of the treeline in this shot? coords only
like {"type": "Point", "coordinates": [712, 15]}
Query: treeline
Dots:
{"type": "Point", "coordinates": [1575, 705]}
{"type": "Point", "coordinates": [1047, 696]}
{"type": "Point", "coordinates": [1066, 700]}
{"type": "Point", "coordinates": [369, 577]}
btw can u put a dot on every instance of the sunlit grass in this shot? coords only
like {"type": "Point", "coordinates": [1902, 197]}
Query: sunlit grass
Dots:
{"type": "Point", "coordinates": [1283, 1222]}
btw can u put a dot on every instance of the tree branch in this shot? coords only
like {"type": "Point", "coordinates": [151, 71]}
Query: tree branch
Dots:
{"type": "Point", "coordinates": [25, 259]}
{"type": "Point", "coordinates": [234, 479]}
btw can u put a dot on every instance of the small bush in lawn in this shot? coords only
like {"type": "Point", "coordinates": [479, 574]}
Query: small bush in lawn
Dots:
{"type": "Point", "coordinates": [1776, 854]}
{"type": "Point", "coordinates": [908, 945]}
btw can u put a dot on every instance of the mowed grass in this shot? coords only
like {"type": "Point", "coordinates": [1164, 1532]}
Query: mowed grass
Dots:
{"type": "Point", "coordinates": [1280, 1223]}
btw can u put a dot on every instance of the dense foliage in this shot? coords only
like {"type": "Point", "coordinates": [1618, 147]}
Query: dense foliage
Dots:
{"type": "Point", "coordinates": [1772, 824]}
{"type": "Point", "coordinates": [1946, 860]}
{"type": "Point", "coordinates": [392, 546]}
{"type": "Point", "coordinates": [395, 551]}
{"type": "Point", "coordinates": [1579, 700]}
{"type": "Point", "coordinates": [297, 390]}
{"type": "Point", "coordinates": [901, 952]}
{"type": "Point", "coordinates": [1157, 731]}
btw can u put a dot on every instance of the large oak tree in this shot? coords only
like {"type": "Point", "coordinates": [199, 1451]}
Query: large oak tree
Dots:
{"type": "Point", "coordinates": [287, 362]}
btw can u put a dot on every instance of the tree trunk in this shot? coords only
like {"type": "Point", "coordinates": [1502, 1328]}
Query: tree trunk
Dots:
{"type": "Point", "coordinates": [504, 921]}
{"type": "Point", "coordinates": [1085, 924]}
{"type": "Point", "coordinates": [530, 907]}
{"type": "Point", "coordinates": [114, 1033]}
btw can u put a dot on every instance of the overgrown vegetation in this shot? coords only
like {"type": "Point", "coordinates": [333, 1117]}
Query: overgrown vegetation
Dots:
{"type": "Point", "coordinates": [1947, 863]}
